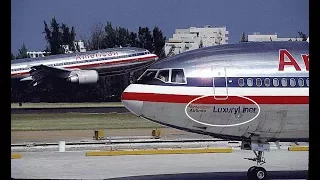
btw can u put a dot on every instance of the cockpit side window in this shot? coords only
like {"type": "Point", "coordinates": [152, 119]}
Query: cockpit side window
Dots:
{"type": "Point", "coordinates": [177, 76]}
{"type": "Point", "coordinates": [148, 75]}
{"type": "Point", "coordinates": [163, 75]}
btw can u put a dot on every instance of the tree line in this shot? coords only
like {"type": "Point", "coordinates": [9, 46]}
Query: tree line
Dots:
{"type": "Point", "coordinates": [101, 37]}
{"type": "Point", "coordinates": [109, 37]}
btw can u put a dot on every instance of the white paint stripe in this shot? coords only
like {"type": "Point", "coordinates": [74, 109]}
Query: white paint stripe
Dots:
{"type": "Point", "coordinates": [187, 90]}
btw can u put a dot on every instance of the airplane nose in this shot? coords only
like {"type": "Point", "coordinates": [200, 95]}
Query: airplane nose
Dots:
{"type": "Point", "coordinates": [134, 106]}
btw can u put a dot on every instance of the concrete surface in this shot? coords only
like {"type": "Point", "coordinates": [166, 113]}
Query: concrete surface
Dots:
{"type": "Point", "coordinates": [76, 165]}
{"type": "Point", "coordinates": [159, 151]}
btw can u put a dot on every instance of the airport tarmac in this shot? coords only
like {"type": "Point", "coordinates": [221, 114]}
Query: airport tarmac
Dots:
{"type": "Point", "coordinates": [282, 164]}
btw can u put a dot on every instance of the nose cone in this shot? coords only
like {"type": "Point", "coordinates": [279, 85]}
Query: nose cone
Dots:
{"type": "Point", "coordinates": [129, 101]}
{"type": "Point", "coordinates": [133, 106]}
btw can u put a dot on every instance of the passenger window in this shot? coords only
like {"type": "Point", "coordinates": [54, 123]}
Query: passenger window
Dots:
{"type": "Point", "coordinates": [177, 76]}
{"type": "Point", "coordinates": [292, 82]}
{"type": "Point", "coordinates": [148, 75]}
{"type": "Point", "coordinates": [300, 82]}
{"type": "Point", "coordinates": [284, 82]}
{"type": "Point", "coordinates": [163, 75]}
{"type": "Point", "coordinates": [249, 82]}
{"type": "Point", "coordinates": [241, 82]}
{"type": "Point", "coordinates": [275, 82]}
{"type": "Point", "coordinates": [267, 82]}
{"type": "Point", "coordinates": [259, 82]}
{"type": "Point", "coordinates": [307, 82]}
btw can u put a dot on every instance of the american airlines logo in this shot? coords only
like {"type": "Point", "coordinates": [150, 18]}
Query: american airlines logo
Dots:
{"type": "Point", "coordinates": [286, 59]}
{"type": "Point", "coordinates": [96, 55]}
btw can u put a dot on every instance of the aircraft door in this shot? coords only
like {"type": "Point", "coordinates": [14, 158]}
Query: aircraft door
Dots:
{"type": "Point", "coordinates": [220, 83]}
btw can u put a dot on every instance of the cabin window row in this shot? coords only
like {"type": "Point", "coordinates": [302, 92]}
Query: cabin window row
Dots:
{"type": "Point", "coordinates": [275, 82]}
{"type": "Point", "coordinates": [20, 69]}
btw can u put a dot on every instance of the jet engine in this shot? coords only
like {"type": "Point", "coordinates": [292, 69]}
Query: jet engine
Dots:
{"type": "Point", "coordinates": [83, 77]}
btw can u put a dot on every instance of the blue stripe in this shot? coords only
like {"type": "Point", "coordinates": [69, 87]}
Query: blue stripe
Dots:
{"type": "Point", "coordinates": [234, 82]}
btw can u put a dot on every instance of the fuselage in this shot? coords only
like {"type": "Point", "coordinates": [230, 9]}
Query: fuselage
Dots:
{"type": "Point", "coordinates": [231, 91]}
{"type": "Point", "coordinates": [107, 61]}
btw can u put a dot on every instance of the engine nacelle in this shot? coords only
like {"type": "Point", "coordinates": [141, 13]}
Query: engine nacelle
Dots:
{"type": "Point", "coordinates": [84, 77]}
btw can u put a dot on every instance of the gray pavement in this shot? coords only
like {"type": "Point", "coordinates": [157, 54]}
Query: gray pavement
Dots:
{"type": "Point", "coordinates": [76, 165]}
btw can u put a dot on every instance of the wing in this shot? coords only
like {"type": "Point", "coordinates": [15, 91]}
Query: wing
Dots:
{"type": "Point", "coordinates": [42, 72]}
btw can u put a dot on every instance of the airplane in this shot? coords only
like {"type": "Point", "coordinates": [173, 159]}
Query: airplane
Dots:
{"type": "Point", "coordinates": [82, 67]}
{"type": "Point", "coordinates": [253, 92]}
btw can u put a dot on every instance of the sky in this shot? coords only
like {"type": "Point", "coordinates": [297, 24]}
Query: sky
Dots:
{"type": "Point", "coordinates": [284, 17]}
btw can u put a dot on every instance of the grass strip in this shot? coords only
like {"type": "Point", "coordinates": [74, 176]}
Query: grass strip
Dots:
{"type": "Point", "coordinates": [78, 121]}
{"type": "Point", "coordinates": [61, 105]}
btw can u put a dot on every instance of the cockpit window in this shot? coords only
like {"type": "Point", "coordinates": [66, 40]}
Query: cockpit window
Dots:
{"type": "Point", "coordinates": [177, 76]}
{"type": "Point", "coordinates": [174, 76]}
{"type": "Point", "coordinates": [148, 75]}
{"type": "Point", "coordinates": [163, 75]}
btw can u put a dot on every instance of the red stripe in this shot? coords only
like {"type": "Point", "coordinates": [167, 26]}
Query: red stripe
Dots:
{"type": "Point", "coordinates": [175, 98]}
{"type": "Point", "coordinates": [17, 74]}
{"type": "Point", "coordinates": [98, 64]}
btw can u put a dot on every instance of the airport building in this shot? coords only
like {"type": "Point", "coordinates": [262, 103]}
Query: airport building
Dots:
{"type": "Point", "coordinates": [194, 38]}
{"type": "Point", "coordinates": [35, 54]}
{"type": "Point", "coordinates": [257, 37]}
{"type": "Point", "coordinates": [78, 45]}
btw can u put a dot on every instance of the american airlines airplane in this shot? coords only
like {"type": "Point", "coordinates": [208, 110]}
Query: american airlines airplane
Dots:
{"type": "Point", "coordinates": [254, 92]}
{"type": "Point", "coordinates": [82, 67]}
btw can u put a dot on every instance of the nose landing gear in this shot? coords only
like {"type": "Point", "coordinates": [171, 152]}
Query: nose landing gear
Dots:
{"type": "Point", "coordinates": [257, 172]}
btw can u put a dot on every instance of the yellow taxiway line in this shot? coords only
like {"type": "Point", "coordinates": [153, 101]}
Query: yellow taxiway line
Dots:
{"type": "Point", "coordinates": [298, 148]}
{"type": "Point", "coordinates": [15, 156]}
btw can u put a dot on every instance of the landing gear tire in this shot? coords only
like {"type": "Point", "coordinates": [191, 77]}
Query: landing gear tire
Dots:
{"type": "Point", "coordinates": [257, 173]}
{"type": "Point", "coordinates": [250, 171]}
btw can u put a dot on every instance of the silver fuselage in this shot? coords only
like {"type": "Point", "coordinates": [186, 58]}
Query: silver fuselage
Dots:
{"type": "Point", "coordinates": [105, 62]}
{"type": "Point", "coordinates": [232, 91]}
